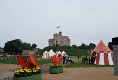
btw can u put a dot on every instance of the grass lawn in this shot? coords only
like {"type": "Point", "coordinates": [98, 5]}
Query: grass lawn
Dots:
{"type": "Point", "coordinates": [44, 61]}
{"type": "Point", "coordinates": [9, 61]}
{"type": "Point", "coordinates": [79, 64]}
{"type": "Point", "coordinates": [40, 62]}
{"type": "Point", "coordinates": [73, 57]}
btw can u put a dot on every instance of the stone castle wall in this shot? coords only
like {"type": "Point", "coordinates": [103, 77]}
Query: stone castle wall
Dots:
{"type": "Point", "coordinates": [59, 39]}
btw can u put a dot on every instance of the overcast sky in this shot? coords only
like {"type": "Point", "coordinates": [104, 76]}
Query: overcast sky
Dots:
{"type": "Point", "coordinates": [35, 21]}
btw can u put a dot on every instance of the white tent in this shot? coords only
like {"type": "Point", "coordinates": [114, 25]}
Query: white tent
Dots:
{"type": "Point", "coordinates": [63, 53]}
{"type": "Point", "coordinates": [45, 55]}
{"type": "Point", "coordinates": [51, 53]}
{"type": "Point", "coordinates": [58, 53]}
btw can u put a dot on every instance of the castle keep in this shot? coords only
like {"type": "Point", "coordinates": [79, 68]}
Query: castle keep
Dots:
{"type": "Point", "coordinates": [60, 40]}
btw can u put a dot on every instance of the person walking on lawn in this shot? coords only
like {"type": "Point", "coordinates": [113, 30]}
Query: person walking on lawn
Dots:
{"type": "Point", "coordinates": [67, 57]}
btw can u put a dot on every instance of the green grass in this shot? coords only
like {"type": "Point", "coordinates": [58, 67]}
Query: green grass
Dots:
{"type": "Point", "coordinates": [40, 62]}
{"type": "Point", "coordinates": [79, 64]}
{"type": "Point", "coordinates": [9, 61]}
{"type": "Point", "coordinates": [73, 57]}
{"type": "Point", "coordinates": [44, 61]}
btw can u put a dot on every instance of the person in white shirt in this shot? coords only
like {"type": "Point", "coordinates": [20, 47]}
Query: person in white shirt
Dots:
{"type": "Point", "coordinates": [67, 59]}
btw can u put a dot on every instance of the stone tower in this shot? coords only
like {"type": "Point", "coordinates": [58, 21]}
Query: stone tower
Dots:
{"type": "Point", "coordinates": [59, 40]}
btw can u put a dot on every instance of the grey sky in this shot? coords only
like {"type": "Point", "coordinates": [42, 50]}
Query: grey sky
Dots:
{"type": "Point", "coordinates": [35, 21]}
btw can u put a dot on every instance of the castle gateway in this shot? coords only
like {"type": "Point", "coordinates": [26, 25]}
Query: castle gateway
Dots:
{"type": "Point", "coordinates": [60, 40]}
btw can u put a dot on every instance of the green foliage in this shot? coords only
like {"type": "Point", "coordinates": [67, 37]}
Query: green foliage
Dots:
{"type": "Point", "coordinates": [74, 46]}
{"type": "Point", "coordinates": [91, 45]}
{"type": "Point", "coordinates": [26, 46]}
{"type": "Point", "coordinates": [34, 45]}
{"type": "Point", "coordinates": [84, 46]}
{"type": "Point", "coordinates": [71, 51]}
{"type": "Point", "coordinates": [13, 46]}
{"type": "Point", "coordinates": [17, 46]}
{"type": "Point", "coordinates": [84, 53]}
{"type": "Point", "coordinates": [110, 46]}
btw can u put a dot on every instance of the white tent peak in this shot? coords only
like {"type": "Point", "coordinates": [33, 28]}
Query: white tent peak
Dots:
{"type": "Point", "coordinates": [63, 52]}
{"type": "Point", "coordinates": [45, 51]}
{"type": "Point", "coordinates": [59, 52]}
{"type": "Point", "coordinates": [51, 53]}
{"type": "Point", "coordinates": [51, 50]}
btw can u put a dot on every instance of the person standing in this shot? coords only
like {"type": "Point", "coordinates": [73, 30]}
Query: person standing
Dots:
{"type": "Point", "coordinates": [64, 57]}
{"type": "Point", "coordinates": [89, 60]}
{"type": "Point", "coordinates": [78, 56]}
{"type": "Point", "coordinates": [92, 58]}
{"type": "Point", "coordinates": [67, 58]}
{"type": "Point", "coordinates": [86, 60]}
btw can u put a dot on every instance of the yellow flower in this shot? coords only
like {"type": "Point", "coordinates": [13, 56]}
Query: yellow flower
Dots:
{"type": "Point", "coordinates": [38, 68]}
{"type": "Point", "coordinates": [17, 73]}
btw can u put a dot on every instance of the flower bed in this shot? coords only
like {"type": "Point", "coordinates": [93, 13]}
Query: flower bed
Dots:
{"type": "Point", "coordinates": [28, 74]}
{"type": "Point", "coordinates": [55, 69]}
{"type": "Point", "coordinates": [56, 66]}
{"type": "Point", "coordinates": [33, 77]}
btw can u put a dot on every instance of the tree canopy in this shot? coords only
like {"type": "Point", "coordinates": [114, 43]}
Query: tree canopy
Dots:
{"type": "Point", "coordinates": [13, 46]}
{"type": "Point", "coordinates": [17, 46]}
{"type": "Point", "coordinates": [26, 46]}
{"type": "Point", "coordinates": [110, 46]}
{"type": "Point", "coordinates": [34, 45]}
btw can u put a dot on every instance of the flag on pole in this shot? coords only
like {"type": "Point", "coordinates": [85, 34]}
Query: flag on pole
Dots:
{"type": "Point", "coordinates": [58, 27]}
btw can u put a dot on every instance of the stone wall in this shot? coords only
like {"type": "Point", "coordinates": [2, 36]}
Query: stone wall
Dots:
{"type": "Point", "coordinates": [59, 39]}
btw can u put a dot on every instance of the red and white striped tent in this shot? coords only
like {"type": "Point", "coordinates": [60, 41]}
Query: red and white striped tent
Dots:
{"type": "Point", "coordinates": [104, 55]}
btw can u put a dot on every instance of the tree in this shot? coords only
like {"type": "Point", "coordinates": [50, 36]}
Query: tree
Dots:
{"type": "Point", "coordinates": [34, 45]}
{"type": "Point", "coordinates": [110, 46]}
{"type": "Point", "coordinates": [74, 46]}
{"type": "Point", "coordinates": [13, 46]}
{"type": "Point", "coordinates": [26, 46]}
{"type": "Point", "coordinates": [92, 46]}
{"type": "Point", "coordinates": [83, 46]}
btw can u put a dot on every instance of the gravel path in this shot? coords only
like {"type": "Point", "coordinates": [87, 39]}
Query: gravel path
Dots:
{"type": "Point", "coordinates": [61, 76]}
{"type": "Point", "coordinates": [95, 73]}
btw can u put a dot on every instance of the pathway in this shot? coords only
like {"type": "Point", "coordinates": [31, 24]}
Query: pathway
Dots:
{"type": "Point", "coordinates": [93, 73]}
{"type": "Point", "coordinates": [6, 70]}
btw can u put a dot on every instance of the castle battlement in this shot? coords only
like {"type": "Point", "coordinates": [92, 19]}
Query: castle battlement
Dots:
{"type": "Point", "coordinates": [59, 39]}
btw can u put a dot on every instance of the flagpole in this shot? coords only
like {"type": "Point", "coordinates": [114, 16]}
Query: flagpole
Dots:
{"type": "Point", "coordinates": [59, 29]}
